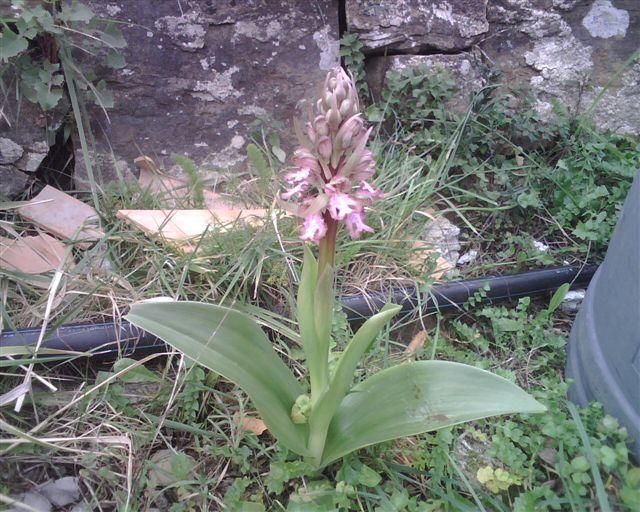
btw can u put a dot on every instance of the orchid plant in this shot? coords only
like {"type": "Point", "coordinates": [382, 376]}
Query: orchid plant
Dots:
{"type": "Point", "coordinates": [328, 417]}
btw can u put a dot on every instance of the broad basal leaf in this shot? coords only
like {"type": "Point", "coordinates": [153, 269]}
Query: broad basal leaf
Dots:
{"type": "Point", "coordinates": [343, 377]}
{"type": "Point", "coordinates": [306, 320]}
{"type": "Point", "coordinates": [11, 44]}
{"type": "Point", "coordinates": [233, 345]}
{"type": "Point", "coordinates": [418, 397]}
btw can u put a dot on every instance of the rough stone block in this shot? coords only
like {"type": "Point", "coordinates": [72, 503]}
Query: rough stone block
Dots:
{"type": "Point", "coordinates": [413, 26]}
{"type": "Point", "coordinates": [25, 132]}
{"type": "Point", "coordinates": [462, 68]}
{"type": "Point", "coordinates": [571, 52]}
{"type": "Point", "coordinates": [199, 73]}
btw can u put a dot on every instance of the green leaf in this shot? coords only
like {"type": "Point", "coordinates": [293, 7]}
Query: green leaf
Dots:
{"type": "Point", "coordinates": [258, 161]}
{"type": "Point", "coordinates": [279, 153]}
{"type": "Point", "coordinates": [11, 44]}
{"type": "Point", "coordinates": [115, 60]}
{"type": "Point", "coordinates": [102, 96]}
{"type": "Point", "coordinates": [323, 312]}
{"type": "Point", "coordinates": [330, 400]}
{"type": "Point", "coordinates": [138, 374]}
{"type": "Point", "coordinates": [76, 12]}
{"type": "Point", "coordinates": [306, 299]}
{"type": "Point", "coordinates": [233, 345]}
{"type": "Point", "coordinates": [167, 467]}
{"type": "Point", "coordinates": [418, 397]}
{"type": "Point", "coordinates": [557, 297]}
{"type": "Point", "coordinates": [112, 37]}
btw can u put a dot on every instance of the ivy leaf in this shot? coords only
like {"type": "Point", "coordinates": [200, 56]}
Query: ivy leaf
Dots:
{"type": "Point", "coordinates": [103, 97]}
{"type": "Point", "coordinates": [112, 36]}
{"type": "Point", "coordinates": [25, 29]}
{"type": "Point", "coordinates": [11, 44]}
{"type": "Point", "coordinates": [76, 12]}
{"type": "Point", "coordinates": [115, 60]}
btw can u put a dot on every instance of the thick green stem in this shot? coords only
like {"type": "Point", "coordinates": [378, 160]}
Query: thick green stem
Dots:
{"type": "Point", "coordinates": [327, 248]}
{"type": "Point", "coordinates": [324, 299]}
{"type": "Point", "coordinates": [317, 440]}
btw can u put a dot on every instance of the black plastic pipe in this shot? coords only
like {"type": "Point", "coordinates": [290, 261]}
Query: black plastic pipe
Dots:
{"type": "Point", "coordinates": [109, 339]}
{"type": "Point", "coordinates": [453, 295]}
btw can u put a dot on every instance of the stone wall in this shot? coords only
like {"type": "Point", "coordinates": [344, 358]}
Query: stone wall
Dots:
{"type": "Point", "coordinates": [199, 73]}
{"type": "Point", "coordinates": [566, 50]}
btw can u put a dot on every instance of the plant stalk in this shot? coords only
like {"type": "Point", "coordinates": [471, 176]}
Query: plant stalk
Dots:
{"type": "Point", "coordinates": [327, 246]}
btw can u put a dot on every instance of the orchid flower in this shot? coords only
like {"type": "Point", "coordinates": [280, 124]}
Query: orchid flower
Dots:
{"type": "Point", "coordinates": [324, 416]}
{"type": "Point", "coordinates": [331, 176]}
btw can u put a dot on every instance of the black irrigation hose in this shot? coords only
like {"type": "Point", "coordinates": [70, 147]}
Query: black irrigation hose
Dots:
{"type": "Point", "coordinates": [107, 340]}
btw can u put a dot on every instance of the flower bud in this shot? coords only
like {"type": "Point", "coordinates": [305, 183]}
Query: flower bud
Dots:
{"type": "Point", "coordinates": [334, 118]}
{"type": "Point", "coordinates": [301, 410]}
{"type": "Point", "coordinates": [321, 125]}
{"type": "Point", "coordinates": [327, 98]}
{"type": "Point", "coordinates": [324, 148]}
{"type": "Point", "coordinates": [311, 132]}
{"type": "Point", "coordinates": [345, 108]}
{"type": "Point", "coordinates": [304, 158]}
{"type": "Point", "coordinates": [340, 93]}
{"type": "Point", "coordinates": [349, 129]}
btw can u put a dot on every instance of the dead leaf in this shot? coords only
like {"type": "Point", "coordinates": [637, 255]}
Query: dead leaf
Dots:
{"type": "Point", "coordinates": [423, 254]}
{"type": "Point", "coordinates": [32, 254]}
{"type": "Point", "coordinates": [185, 227]}
{"type": "Point", "coordinates": [255, 425]}
{"type": "Point", "coordinates": [549, 455]}
{"type": "Point", "coordinates": [167, 467]}
{"type": "Point", "coordinates": [416, 343]}
{"type": "Point", "coordinates": [175, 192]}
{"type": "Point", "coordinates": [63, 215]}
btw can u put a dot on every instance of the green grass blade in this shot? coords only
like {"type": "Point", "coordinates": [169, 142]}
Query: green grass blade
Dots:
{"type": "Point", "coordinates": [233, 345]}
{"type": "Point", "coordinates": [418, 397]}
{"type": "Point", "coordinates": [601, 493]}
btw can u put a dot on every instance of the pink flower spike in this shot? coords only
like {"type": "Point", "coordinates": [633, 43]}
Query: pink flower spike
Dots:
{"type": "Point", "coordinates": [314, 228]}
{"type": "Point", "coordinates": [304, 158]}
{"type": "Point", "coordinates": [367, 191]}
{"type": "Point", "coordinates": [299, 188]}
{"type": "Point", "coordinates": [356, 226]}
{"type": "Point", "coordinates": [298, 176]}
{"type": "Point", "coordinates": [324, 147]}
{"type": "Point", "coordinates": [341, 205]}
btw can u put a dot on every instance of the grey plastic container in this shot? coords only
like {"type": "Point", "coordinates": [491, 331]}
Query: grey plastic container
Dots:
{"type": "Point", "coordinates": [604, 345]}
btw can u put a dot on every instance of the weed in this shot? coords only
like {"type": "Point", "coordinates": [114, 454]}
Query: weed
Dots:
{"type": "Point", "coordinates": [351, 53]}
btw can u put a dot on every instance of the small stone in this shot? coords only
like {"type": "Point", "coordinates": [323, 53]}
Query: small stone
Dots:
{"type": "Point", "coordinates": [572, 301]}
{"type": "Point", "coordinates": [33, 161]}
{"type": "Point", "coordinates": [61, 492]}
{"type": "Point", "coordinates": [12, 181]}
{"type": "Point", "coordinates": [468, 257]}
{"type": "Point", "coordinates": [442, 236]}
{"type": "Point", "coordinates": [32, 499]}
{"type": "Point", "coordinates": [540, 246]}
{"type": "Point", "coordinates": [10, 152]}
